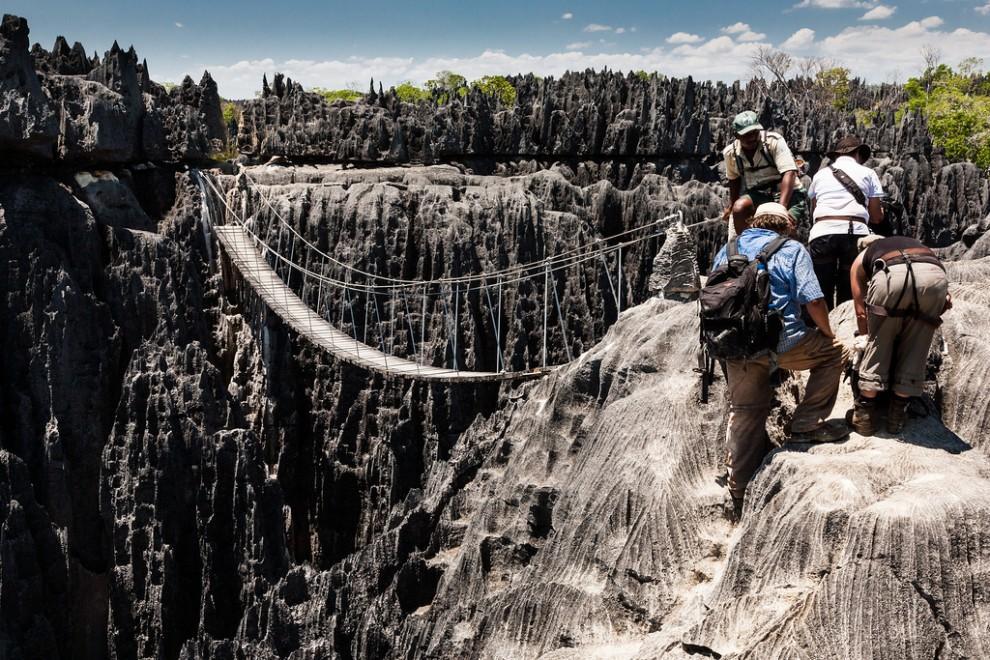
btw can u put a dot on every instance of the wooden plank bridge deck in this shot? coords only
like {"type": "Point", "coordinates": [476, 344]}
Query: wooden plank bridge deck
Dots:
{"type": "Point", "coordinates": [259, 275]}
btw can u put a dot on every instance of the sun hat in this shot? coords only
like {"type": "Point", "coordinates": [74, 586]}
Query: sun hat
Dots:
{"type": "Point", "coordinates": [848, 145]}
{"type": "Point", "coordinates": [774, 209]}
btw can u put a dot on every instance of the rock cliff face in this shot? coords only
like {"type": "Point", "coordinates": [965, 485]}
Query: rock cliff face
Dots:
{"type": "Point", "coordinates": [183, 477]}
{"type": "Point", "coordinates": [619, 128]}
{"type": "Point", "coordinates": [63, 106]}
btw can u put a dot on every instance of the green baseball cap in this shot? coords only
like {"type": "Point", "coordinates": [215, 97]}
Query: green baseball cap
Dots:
{"type": "Point", "coordinates": [746, 122]}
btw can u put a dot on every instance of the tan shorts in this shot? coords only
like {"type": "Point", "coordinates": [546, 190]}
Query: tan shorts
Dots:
{"type": "Point", "coordinates": [897, 353]}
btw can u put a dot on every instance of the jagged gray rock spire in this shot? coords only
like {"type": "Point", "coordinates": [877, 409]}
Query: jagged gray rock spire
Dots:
{"type": "Point", "coordinates": [675, 268]}
{"type": "Point", "coordinates": [125, 117]}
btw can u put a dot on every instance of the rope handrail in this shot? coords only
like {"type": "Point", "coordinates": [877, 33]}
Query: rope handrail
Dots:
{"type": "Point", "coordinates": [522, 272]}
{"type": "Point", "coordinates": [258, 246]}
{"type": "Point", "coordinates": [535, 265]}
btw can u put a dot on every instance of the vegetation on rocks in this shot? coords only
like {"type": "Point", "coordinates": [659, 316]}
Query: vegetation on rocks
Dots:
{"type": "Point", "coordinates": [331, 95]}
{"type": "Point", "coordinates": [410, 93]}
{"type": "Point", "coordinates": [498, 87]}
{"type": "Point", "coordinates": [956, 103]}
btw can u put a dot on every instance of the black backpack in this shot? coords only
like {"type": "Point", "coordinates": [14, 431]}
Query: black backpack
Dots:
{"type": "Point", "coordinates": [736, 319]}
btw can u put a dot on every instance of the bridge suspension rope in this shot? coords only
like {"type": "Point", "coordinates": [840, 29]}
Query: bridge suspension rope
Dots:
{"type": "Point", "coordinates": [395, 293]}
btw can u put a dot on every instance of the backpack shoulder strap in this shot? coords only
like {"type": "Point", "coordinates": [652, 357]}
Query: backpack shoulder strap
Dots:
{"type": "Point", "coordinates": [731, 248]}
{"type": "Point", "coordinates": [771, 248]}
{"type": "Point", "coordinates": [849, 185]}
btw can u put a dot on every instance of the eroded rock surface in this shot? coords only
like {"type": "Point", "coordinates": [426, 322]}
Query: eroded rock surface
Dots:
{"type": "Point", "coordinates": [182, 477]}
{"type": "Point", "coordinates": [63, 106]}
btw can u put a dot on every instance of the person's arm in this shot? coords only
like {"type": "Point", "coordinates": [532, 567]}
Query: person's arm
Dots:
{"type": "Point", "coordinates": [875, 209]}
{"type": "Point", "coordinates": [875, 193]}
{"type": "Point", "coordinates": [857, 282]}
{"type": "Point", "coordinates": [787, 187]}
{"type": "Point", "coordinates": [812, 209]}
{"type": "Point", "coordinates": [735, 190]}
{"type": "Point", "coordinates": [818, 311]}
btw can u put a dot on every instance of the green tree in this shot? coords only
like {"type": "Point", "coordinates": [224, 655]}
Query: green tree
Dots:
{"type": "Point", "coordinates": [448, 85]}
{"type": "Point", "coordinates": [956, 104]}
{"type": "Point", "coordinates": [409, 93]}
{"type": "Point", "coordinates": [230, 113]}
{"type": "Point", "coordinates": [833, 83]}
{"type": "Point", "coordinates": [498, 87]}
{"type": "Point", "coordinates": [332, 95]}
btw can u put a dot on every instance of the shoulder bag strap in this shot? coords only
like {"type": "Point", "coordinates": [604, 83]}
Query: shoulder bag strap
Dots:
{"type": "Point", "coordinates": [849, 185]}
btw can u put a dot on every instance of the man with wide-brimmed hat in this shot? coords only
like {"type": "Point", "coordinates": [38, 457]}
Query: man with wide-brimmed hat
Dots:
{"type": "Point", "coordinates": [760, 168]}
{"type": "Point", "coordinates": [845, 203]}
{"type": "Point", "coordinates": [793, 289]}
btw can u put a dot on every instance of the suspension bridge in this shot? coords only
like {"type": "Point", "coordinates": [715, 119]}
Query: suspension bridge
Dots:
{"type": "Point", "coordinates": [319, 296]}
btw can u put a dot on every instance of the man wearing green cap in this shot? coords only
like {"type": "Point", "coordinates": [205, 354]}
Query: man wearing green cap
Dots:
{"type": "Point", "coordinates": [760, 169]}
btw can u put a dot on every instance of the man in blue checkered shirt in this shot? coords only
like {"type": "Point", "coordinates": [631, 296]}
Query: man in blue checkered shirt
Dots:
{"type": "Point", "coordinates": [793, 285]}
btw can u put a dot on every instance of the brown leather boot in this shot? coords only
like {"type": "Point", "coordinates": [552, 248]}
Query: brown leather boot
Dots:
{"type": "Point", "coordinates": [897, 414]}
{"type": "Point", "coordinates": [862, 418]}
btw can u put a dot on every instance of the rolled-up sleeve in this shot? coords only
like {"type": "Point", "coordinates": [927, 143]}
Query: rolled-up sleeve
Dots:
{"type": "Point", "coordinates": [806, 286]}
{"type": "Point", "coordinates": [783, 158]}
{"type": "Point", "coordinates": [731, 171]}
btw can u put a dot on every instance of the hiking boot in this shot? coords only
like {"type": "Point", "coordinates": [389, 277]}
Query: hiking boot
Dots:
{"type": "Point", "coordinates": [830, 431]}
{"type": "Point", "coordinates": [862, 418]}
{"type": "Point", "coordinates": [897, 414]}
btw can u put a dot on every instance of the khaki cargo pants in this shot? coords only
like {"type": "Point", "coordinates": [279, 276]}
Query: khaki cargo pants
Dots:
{"type": "Point", "coordinates": [749, 400]}
{"type": "Point", "coordinates": [897, 352]}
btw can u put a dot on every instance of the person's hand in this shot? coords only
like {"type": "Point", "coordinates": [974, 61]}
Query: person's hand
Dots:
{"type": "Point", "coordinates": [727, 213]}
{"type": "Point", "coordinates": [948, 302]}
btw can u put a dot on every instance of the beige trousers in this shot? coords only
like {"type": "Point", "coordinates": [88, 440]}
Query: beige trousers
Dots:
{"type": "Point", "coordinates": [897, 353]}
{"type": "Point", "coordinates": [749, 398]}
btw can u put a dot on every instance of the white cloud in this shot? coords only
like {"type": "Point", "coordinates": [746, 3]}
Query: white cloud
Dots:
{"type": "Point", "coordinates": [871, 51]}
{"type": "Point", "coordinates": [985, 9]}
{"type": "Point", "coordinates": [719, 58]}
{"type": "Point", "coordinates": [683, 38]}
{"type": "Point", "coordinates": [567, 16]}
{"type": "Point", "coordinates": [633, 29]}
{"type": "Point", "coordinates": [800, 40]}
{"type": "Point", "coordinates": [878, 13]}
{"type": "Point", "coordinates": [620, 30]}
{"type": "Point", "coordinates": [179, 25]}
{"type": "Point", "coordinates": [597, 27]}
{"type": "Point", "coordinates": [749, 35]}
{"type": "Point", "coordinates": [735, 28]}
{"type": "Point", "coordinates": [833, 4]}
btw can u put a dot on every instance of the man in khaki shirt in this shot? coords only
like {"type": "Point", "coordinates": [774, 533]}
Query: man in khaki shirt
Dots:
{"type": "Point", "coordinates": [760, 169]}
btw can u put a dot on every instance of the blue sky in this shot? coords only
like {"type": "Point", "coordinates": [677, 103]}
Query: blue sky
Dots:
{"type": "Point", "coordinates": [340, 44]}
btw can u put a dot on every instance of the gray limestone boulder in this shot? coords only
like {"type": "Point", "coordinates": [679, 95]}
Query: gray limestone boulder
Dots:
{"type": "Point", "coordinates": [675, 268]}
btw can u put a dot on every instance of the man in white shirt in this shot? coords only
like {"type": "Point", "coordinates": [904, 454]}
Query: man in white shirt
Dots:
{"type": "Point", "coordinates": [845, 202]}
